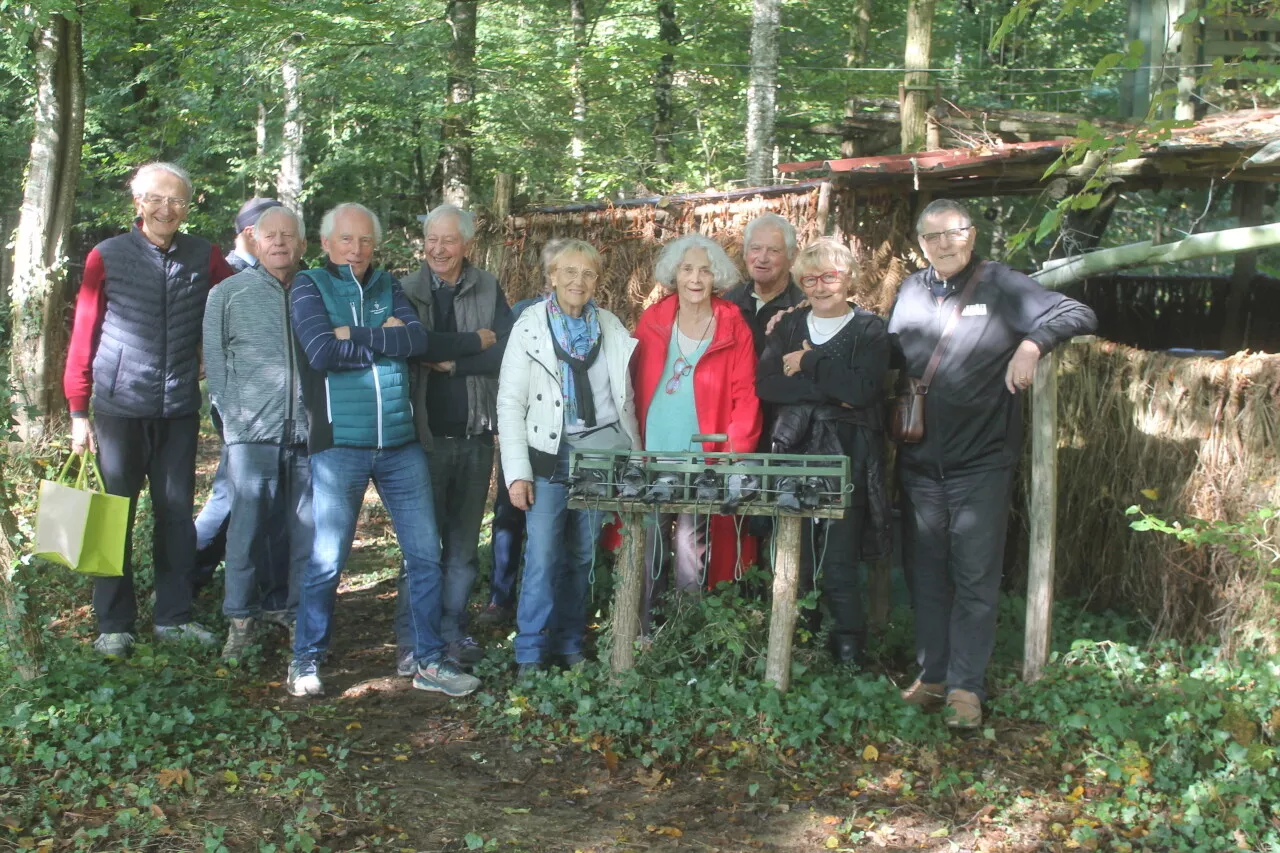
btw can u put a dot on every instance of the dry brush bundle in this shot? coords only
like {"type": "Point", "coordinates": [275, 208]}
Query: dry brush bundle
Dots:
{"type": "Point", "coordinates": [1182, 438]}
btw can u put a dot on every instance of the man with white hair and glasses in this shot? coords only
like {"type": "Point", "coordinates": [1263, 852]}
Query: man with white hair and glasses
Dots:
{"type": "Point", "coordinates": [132, 381]}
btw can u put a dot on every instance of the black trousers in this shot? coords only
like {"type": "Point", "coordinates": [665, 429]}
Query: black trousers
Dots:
{"type": "Point", "coordinates": [163, 451]}
{"type": "Point", "coordinates": [833, 546]}
{"type": "Point", "coordinates": [953, 552]}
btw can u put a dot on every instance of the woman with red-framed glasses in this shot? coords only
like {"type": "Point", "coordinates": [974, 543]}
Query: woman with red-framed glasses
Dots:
{"type": "Point", "coordinates": [694, 373]}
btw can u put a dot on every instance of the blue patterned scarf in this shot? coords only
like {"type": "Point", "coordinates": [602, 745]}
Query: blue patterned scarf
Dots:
{"type": "Point", "coordinates": [577, 344]}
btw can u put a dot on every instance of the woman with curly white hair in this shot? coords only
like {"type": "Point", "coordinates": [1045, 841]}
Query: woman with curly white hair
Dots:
{"type": "Point", "coordinates": [694, 372]}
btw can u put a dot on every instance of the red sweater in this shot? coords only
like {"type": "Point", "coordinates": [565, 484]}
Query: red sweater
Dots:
{"type": "Point", "coordinates": [724, 379]}
{"type": "Point", "coordinates": [91, 307]}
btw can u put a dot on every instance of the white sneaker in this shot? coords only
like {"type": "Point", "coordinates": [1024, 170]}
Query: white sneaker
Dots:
{"type": "Point", "coordinates": [190, 632]}
{"type": "Point", "coordinates": [114, 646]}
{"type": "Point", "coordinates": [304, 679]}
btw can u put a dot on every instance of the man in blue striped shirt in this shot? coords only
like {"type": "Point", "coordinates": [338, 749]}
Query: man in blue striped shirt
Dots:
{"type": "Point", "coordinates": [356, 330]}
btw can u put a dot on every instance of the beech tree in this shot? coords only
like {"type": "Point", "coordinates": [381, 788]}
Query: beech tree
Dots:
{"type": "Point", "coordinates": [455, 129]}
{"type": "Point", "coordinates": [761, 92]}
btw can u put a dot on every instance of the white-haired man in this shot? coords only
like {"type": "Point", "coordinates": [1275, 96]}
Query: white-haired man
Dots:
{"type": "Point", "coordinates": [254, 381]}
{"type": "Point", "coordinates": [768, 247]}
{"type": "Point", "coordinates": [357, 331]}
{"type": "Point", "coordinates": [455, 392]}
{"type": "Point", "coordinates": [134, 360]}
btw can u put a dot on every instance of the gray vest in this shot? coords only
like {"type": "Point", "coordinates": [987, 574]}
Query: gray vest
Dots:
{"type": "Point", "coordinates": [147, 364]}
{"type": "Point", "coordinates": [474, 301]}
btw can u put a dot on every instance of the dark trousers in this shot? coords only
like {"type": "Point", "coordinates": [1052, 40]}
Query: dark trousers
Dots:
{"type": "Point", "coordinates": [953, 552]}
{"type": "Point", "coordinates": [508, 545]}
{"type": "Point", "coordinates": [833, 545]}
{"type": "Point", "coordinates": [270, 536]}
{"type": "Point", "coordinates": [163, 451]}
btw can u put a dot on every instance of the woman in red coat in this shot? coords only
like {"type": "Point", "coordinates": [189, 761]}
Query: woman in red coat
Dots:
{"type": "Point", "coordinates": [694, 372]}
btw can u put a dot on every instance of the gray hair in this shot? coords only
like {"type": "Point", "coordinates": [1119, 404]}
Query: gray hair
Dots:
{"type": "Point", "coordinates": [281, 210]}
{"type": "Point", "coordinates": [145, 173]}
{"type": "Point", "coordinates": [726, 275]}
{"type": "Point", "coordinates": [465, 219]}
{"type": "Point", "coordinates": [563, 246]}
{"type": "Point", "coordinates": [942, 205]}
{"type": "Point", "coordinates": [771, 220]}
{"type": "Point", "coordinates": [326, 224]}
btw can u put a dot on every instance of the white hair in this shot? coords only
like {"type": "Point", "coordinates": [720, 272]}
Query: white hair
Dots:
{"type": "Point", "coordinates": [726, 275]}
{"type": "Point", "coordinates": [771, 220]}
{"type": "Point", "coordinates": [326, 224]}
{"type": "Point", "coordinates": [465, 219]}
{"type": "Point", "coordinates": [281, 210]}
{"type": "Point", "coordinates": [144, 174]}
{"type": "Point", "coordinates": [942, 205]}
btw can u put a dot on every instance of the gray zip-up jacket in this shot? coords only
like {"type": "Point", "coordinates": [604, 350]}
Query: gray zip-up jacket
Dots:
{"type": "Point", "coordinates": [251, 362]}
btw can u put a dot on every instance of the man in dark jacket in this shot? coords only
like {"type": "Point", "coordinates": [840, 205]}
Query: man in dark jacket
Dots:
{"type": "Point", "coordinates": [254, 381]}
{"type": "Point", "coordinates": [135, 354]}
{"type": "Point", "coordinates": [957, 482]}
{"type": "Point", "coordinates": [768, 247]}
{"type": "Point", "coordinates": [455, 397]}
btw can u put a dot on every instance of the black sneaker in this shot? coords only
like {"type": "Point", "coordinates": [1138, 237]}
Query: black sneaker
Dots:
{"type": "Point", "coordinates": [464, 652]}
{"type": "Point", "coordinates": [441, 676]}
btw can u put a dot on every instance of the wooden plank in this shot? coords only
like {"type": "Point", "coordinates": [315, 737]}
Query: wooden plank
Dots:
{"type": "Point", "coordinates": [629, 597]}
{"type": "Point", "coordinates": [1214, 49]}
{"type": "Point", "coordinates": [704, 508]}
{"type": "Point", "coordinates": [782, 623]}
{"type": "Point", "coordinates": [1044, 517]}
{"type": "Point", "coordinates": [1242, 25]}
{"type": "Point", "coordinates": [880, 593]}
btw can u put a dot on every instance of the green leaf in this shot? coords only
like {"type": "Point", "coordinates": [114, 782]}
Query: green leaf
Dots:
{"type": "Point", "coordinates": [1048, 223]}
{"type": "Point", "coordinates": [1105, 64]}
{"type": "Point", "coordinates": [474, 841]}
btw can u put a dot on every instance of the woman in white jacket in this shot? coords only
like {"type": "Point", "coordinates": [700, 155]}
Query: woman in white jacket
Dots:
{"type": "Point", "coordinates": [564, 384]}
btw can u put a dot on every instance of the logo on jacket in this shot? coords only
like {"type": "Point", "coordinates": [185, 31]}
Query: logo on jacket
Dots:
{"type": "Point", "coordinates": [979, 310]}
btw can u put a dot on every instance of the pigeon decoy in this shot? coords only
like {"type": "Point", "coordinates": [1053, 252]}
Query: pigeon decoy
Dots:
{"type": "Point", "coordinates": [663, 489]}
{"type": "Point", "coordinates": [632, 482]}
{"type": "Point", "coordinates": [706, 487]}
{"type": "Point", "coordinates": [739, 489]}
{"type": "Point", "coordinates": [788, 494]}
{"type": "Point", "coordinates": [588, 483]}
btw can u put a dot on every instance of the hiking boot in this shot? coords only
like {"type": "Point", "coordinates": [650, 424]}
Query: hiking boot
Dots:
{"type": "Point", "coordinates": [441, 676]}
{"type": "Point", "coordinates": [239, 636]}
{"type": "Point", "coordinates": [190, 632]}
{"type": "Point", "coordinates": [406, 666]}
{"type": "Point", "coordinates": [966, 708]}
{"type": "Point", "coordinates": [846, 649]}
{"type": "Point", "coordinates": [924, 693]}
{"type": "Point", "coordinates": [304, 679]}
{"type": "Point", "coordinates": [114, 646]}
{"type": "Point", "coordinates": [495, 614]}
{"type": "Point", "coordinates": [464, 652]}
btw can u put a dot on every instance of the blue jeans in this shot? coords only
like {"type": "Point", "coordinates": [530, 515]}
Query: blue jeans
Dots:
{"type": "Point", "coordinates": [211, 525]}
{"type": "Point", "coordinates": [270, 535]}
{"type": "Point", "coordinates": [339, 477]}
{"type": "Point", "coordinates": [460, 473]}
{"type": "Point", "coordinates": [552, 614]}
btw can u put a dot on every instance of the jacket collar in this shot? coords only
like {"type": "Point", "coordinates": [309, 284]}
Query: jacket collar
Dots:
{"type": "Point", "coordinates": [664, 318]}
{"type": "Point", "coordinates": [343, 271]}
{"type": "Point", "coordinates": [932, 278]}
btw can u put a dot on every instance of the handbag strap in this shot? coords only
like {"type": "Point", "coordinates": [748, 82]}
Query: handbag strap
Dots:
{"type": "Point", "coordinates": [941, 348]}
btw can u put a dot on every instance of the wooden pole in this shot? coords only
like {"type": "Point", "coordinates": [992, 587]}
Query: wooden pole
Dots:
{"type": "Point", "coordinates": [880, 592]}
{"type": "Point", "coordinates": [627, 602]}
{"type": "Point", "coordinates": [504, 190]}
{"type": "Point", "coordinates": [1044, 517]}
{"type": "Point", "coordinates": [782, 624]}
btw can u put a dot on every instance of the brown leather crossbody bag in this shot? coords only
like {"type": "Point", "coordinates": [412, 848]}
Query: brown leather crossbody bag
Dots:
{"type": "Point", "coordinates": [906, 413]}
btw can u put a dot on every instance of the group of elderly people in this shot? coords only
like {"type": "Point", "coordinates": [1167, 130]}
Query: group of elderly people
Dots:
{"type": "Point", "coordinates": [330, 378]}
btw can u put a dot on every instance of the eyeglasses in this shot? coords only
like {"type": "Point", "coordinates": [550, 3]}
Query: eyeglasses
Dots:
{"type": "Point", "coordinates": [830, 277]}
{"type": "Point", "coordinates": [681, 369]}
{"type": "Point", "coordinates": [159, 200]}
{"type": "Point", "coordinates": [573, 273]}
{"type": "Point", "coordinates": [952, 234]}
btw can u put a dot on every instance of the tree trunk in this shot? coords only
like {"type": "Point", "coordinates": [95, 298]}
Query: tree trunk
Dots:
{"type": "Point", "coordinates": [1248, 205]}
{"type": "Point", "coordinates": [761, 92]}
{"type": "Point", "coordinates": [1188, 56]}
{"type": "Point", "coordinates": [455, 130]}
{"type": "Point", "coordinates": [260, 151]}
{"type": "Point", "coordinates": [669, 32]}
{"type": "Point", "coordinates": [915, 94]}
{"type": "Point", "coordinates": [578, 145]}
{"type": "Point", "coordinates": [289, 181]}
{"type": "Point", "coordinates": [18, 614]}
{"type": "Point", "coordinates": [851, 145]}
{"type": "Point", "coordinates": [39, 265]}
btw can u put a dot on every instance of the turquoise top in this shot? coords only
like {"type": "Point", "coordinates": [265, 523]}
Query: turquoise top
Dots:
{"type": "Point", "coordinates": [673, 418]}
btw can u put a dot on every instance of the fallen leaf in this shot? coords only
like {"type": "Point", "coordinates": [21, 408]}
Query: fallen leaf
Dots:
{"type": "Point", "coordinates": [351, 727]}
{"type": "Point", "coordinates": [870, 753]}
{"type": "Point", "coordinates": [665, 830]}
{"type": "Point", "coordinates": [830, 820]}
{"type": "Point", "coordinates": [1076, 794]}
{"type": "Point", "coordinates": [650, 779]}
{"type": "Point", "coordinates": [579, 792]}
{"type": "Point", "coordinates": [940, 832]}
{"type": "Point", "coordinates": [611, 760]}
{"type": "Point", "coordinates": [231, 777]}
{"type": "Point", "coordinates": [832, 842]}
{"type": "Point", "coordinates": [509, 810]}
{"type": "Point", "coordinates": [1151, 494]}
{"type": "Point", "coordinates": [170, 776]}
{"type": "Point", "coordinates": [402, 758]}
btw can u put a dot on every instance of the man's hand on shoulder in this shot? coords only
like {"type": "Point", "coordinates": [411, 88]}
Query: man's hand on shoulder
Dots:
{"type": "Point", "coordinates": [777, 318]}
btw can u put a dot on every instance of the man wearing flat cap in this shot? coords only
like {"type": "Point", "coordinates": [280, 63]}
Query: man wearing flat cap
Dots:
{"type": "Point", "coordinates": [241, 257]}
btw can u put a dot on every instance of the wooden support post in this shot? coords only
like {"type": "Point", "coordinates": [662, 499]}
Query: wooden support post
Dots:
{"type": "Point", "coordinates": [1044, 517]}
{"type": "Point", "coordinates": [782, 624]}
{"type": "Point", "coordinates": [824, 208]}
{"type": "Point", "coordinates": [630, 592]}
{"type": "Point", "coordinates": [504, 191]}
